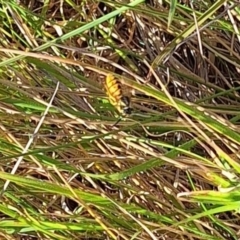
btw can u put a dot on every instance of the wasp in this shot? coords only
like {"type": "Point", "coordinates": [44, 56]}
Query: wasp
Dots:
{"type": "Point", "coordinates": [116, 97]}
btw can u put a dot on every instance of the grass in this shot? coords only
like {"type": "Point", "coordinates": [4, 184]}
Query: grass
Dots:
{"type": "Point", "coordinates": [169, 171]}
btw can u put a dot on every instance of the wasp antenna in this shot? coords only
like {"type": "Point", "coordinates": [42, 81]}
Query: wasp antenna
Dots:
{"type": "Point", "coordinates": [116, 122]}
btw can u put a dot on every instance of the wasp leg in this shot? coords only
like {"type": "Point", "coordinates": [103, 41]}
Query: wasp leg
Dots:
{"type": "Point", "coordinates": [116, 122]}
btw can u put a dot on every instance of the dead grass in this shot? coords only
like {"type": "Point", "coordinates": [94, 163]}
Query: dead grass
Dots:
{"type": "Point", "coordinates": [170, 171]}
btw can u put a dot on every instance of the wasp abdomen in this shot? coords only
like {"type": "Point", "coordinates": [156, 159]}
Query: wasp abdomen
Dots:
{"type": "Point", "coordinates": [115, 95]}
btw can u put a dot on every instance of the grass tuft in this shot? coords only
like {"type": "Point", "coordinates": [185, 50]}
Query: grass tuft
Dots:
{"type": "Point", "coordinates": [170, 170]}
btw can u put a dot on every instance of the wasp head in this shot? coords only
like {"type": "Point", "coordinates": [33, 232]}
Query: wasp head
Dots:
{"type": "Point", "coordinates": [125, 106]}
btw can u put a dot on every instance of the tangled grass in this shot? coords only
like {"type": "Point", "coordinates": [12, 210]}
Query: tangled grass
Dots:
{"type": "Point", "coordinates": [170, 171]}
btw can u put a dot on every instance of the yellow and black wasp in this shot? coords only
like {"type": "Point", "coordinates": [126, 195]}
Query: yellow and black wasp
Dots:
{"type": "Point", "coordinates": [116, 97]}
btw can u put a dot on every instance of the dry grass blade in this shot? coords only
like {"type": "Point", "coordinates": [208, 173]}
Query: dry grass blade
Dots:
{"type": "Point", "coordinates": [25, 150]}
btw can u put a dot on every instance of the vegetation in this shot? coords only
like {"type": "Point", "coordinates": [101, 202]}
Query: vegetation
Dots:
{"type": "Point", "coordinates": [168, 171]}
